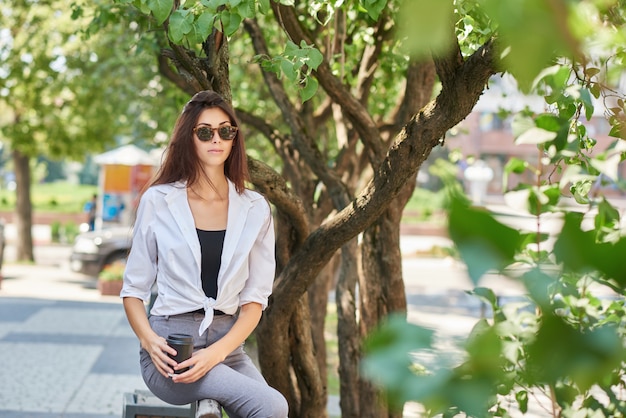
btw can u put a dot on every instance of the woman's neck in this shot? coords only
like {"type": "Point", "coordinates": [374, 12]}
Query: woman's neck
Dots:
{"type": "Point", "coordinates": [210, 188]}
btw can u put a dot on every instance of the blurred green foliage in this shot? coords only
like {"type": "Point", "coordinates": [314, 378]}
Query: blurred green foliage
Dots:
{"type": "Point", "coordinates": [57, 197]}
{"type": "Point", "coordinates": [565, 346]}
{"type": "Point", "coordinates": [565, 343]}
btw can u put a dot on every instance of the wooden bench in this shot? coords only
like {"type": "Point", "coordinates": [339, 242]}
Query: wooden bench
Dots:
{"type": "Point", "coordinates": [143, 404]}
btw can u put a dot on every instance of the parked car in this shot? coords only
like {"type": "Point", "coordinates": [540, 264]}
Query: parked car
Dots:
{"type": "Point", "coordinates": [95, 249]}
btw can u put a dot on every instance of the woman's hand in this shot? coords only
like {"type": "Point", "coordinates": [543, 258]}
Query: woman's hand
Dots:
{"type": "Point", "coordinates": [150, 341]}
{"type": "Point", "coordinates": [200, 363]}
{"type": "Point", "coordinates": [158, 349]}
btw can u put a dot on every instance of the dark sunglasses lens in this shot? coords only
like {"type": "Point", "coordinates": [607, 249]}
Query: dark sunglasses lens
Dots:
{"type": "Point", "coordinates": [204, 134]}
{"type": "Point", "coordinates": [227, 132]}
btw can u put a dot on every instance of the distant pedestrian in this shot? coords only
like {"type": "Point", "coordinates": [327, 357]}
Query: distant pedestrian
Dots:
{"type": "Point", "coordinates": [208, 242]}
{"type": "Point", "coordinates": [90, 209]}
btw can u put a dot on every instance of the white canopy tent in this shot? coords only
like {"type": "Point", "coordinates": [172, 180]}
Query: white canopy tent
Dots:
{"type": "Point", "coordinates": [126, 155]}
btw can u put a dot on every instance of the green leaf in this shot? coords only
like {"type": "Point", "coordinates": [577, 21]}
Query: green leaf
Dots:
{"type": "Point", "coordinates": [310, 87]}
{"type": "Point", "coordinates": [585, 97]}
{"type": "Point", "coordinates": [422, 26]}
{"type": "Point", "coordinates": [535, 136]}
{"type": "Point", "coordinates": [596, 90]}
{"type": "Point", "coordinates": [516, 165]}
{"type": "Point", "coordinates": [592, 71]}
{"type": "Point", "coordinates": [608, 167]}
{"type": "Point", "coordinates": [161, 9]}
{"type": "Point", "coordinates": [580, 190]}
{"type": "Point", "coordinates": [608, 216]}
{"type": "Point", "coordinates": [264, 6]}
{"type": "Point", "coordinates": [388, 349]}
{"type": "Point", "coordinates": [180, 25]}
{"type": "Point", "coordinates": [373, 7]}
{"type": "Point", "coordinates": [521, 123]}
{"type": "Point", "coordinates": [230, 22]}
{"type": "Point", "coordinates": [545, 36]}
{"type": "Point", "coordinates": [574, 174]}
{"type": "Point", "coordinates": [194, 36]}
{"type": "Point", "coordinates": [543, 199]}
{"type": "Point", "coordinates": [289, 70]}
{"type": "Point", "coordinates": [538, 284]}
{"type": "Point", "coordinates": [549, 122]}
{"type": "Point", "coordinates": [484, 347]}
{"type": "Point", "coordinates": [618, 131]}
{"type": "Point", "coordinates": [486, 294]}
{"type": "Point", "coordinates": [204, 24]}
{"type": "Point", "coordinates": [291, 48]}
{"type": "Point", "coordinates": [522, 400]}
{"type": "Point", "coordinates": [586, 357]}
{"type": "Point", "coordinates": [547, 75]}
{"type": "Point", "coordinates": [484, 243]}
{"type": "Point", "coordinates": [567, 108]}
{"type": "Point", "coordinates": [315, 58]}
{"type": "Point", "coordinates": [579, 252]}
{"type": "Point", "coordinates": [212, 5]}
{"type": "Point", "coordinates": [187, 23]}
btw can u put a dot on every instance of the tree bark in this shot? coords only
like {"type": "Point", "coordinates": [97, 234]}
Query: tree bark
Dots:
{"type": "Point", "coordinates": [311, 388]}
{"type": "Point", "coordinates": [23, 208]}
{"type": "Point", "coordinates": [318, 308]}
{"type": "Point", "coordinates": [382, 287]}
{"type": "Point", "coordinates": [348, 331]}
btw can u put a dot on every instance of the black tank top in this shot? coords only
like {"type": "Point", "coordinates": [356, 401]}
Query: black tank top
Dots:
{"type": "Point", "coordinates": [211, 245]}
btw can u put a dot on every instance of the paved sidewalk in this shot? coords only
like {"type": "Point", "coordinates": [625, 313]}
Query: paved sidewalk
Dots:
{"type": "Point", "coordinates": [65, 359]}
{"type": "Point", "coordinates": [69, 352]}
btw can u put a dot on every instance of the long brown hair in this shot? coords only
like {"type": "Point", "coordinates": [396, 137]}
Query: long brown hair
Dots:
{"type": "Point", "coordinates": [181, 161]}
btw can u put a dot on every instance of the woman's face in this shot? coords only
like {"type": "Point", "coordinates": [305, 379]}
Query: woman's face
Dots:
{"type": "Point", "coordinates": [214, 151]}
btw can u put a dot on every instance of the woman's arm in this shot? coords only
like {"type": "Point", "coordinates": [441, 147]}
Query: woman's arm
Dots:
{"type": "Point", "coordinates": [150, 341]}
{"type": "Point", "coordinates": [204, 360]}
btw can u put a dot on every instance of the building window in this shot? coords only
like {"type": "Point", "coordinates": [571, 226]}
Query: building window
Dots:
{"type": "Point", "coordinates": [490, 122]}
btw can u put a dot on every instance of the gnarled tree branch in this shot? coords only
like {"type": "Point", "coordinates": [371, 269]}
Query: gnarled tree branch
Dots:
{"type": "Point", "coordinates": [357, 113]}
{"type": "Point", "coordinates": [405, 156]}
{"type": "Point", "coordinates": [306, 146]}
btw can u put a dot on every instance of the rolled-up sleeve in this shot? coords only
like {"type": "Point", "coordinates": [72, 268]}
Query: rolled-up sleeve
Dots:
{"type": "Point", "coordinates": [262, 263]}
{"type": "Point", "coordinates": [141, 266]}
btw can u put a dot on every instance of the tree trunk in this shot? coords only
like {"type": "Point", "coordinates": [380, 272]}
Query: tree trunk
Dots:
{"type": "Point", "coordinates": [348, 331]}
{"type": "Point", "coordinates": [23, 208]}
{"type": "Point", "coordinates": [318, 303]}
{"type": "Point", "coordinates": [288, 360]}
{"type": "Point", "coordinates": [382, 287]}
{"type": "Point", "coordinates": [274, 356]}
{"type": "Point", "coordinates": [311, 387]}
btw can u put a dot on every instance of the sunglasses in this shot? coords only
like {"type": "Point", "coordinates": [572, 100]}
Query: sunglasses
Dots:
{"type": "Point", "coordinates": [226, 132]}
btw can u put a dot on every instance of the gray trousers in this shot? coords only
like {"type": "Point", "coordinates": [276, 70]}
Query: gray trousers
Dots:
{"type": "Point", "coordinates": [235, 383]}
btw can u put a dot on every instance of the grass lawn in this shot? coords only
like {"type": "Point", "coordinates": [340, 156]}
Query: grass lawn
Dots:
{"type": "Point", "coordinates": [58, 197]}
{"type": "Point", "coordinates": [423, 206]}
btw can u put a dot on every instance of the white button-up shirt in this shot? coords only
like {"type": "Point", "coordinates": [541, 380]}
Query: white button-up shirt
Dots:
{"type": "Point", "coordinates": [165, 248]}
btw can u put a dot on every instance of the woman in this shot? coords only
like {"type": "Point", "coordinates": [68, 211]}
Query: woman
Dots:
{"type": "Point", "coordinates": [209, 244]}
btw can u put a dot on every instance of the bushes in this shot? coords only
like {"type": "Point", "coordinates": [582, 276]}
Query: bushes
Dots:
{"type": "Point", "coordinates": [57, 197]}
{"type": "Point", "coordinates": [55, 231]}
{"type": "Point", "coordinates": [63, 233]}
